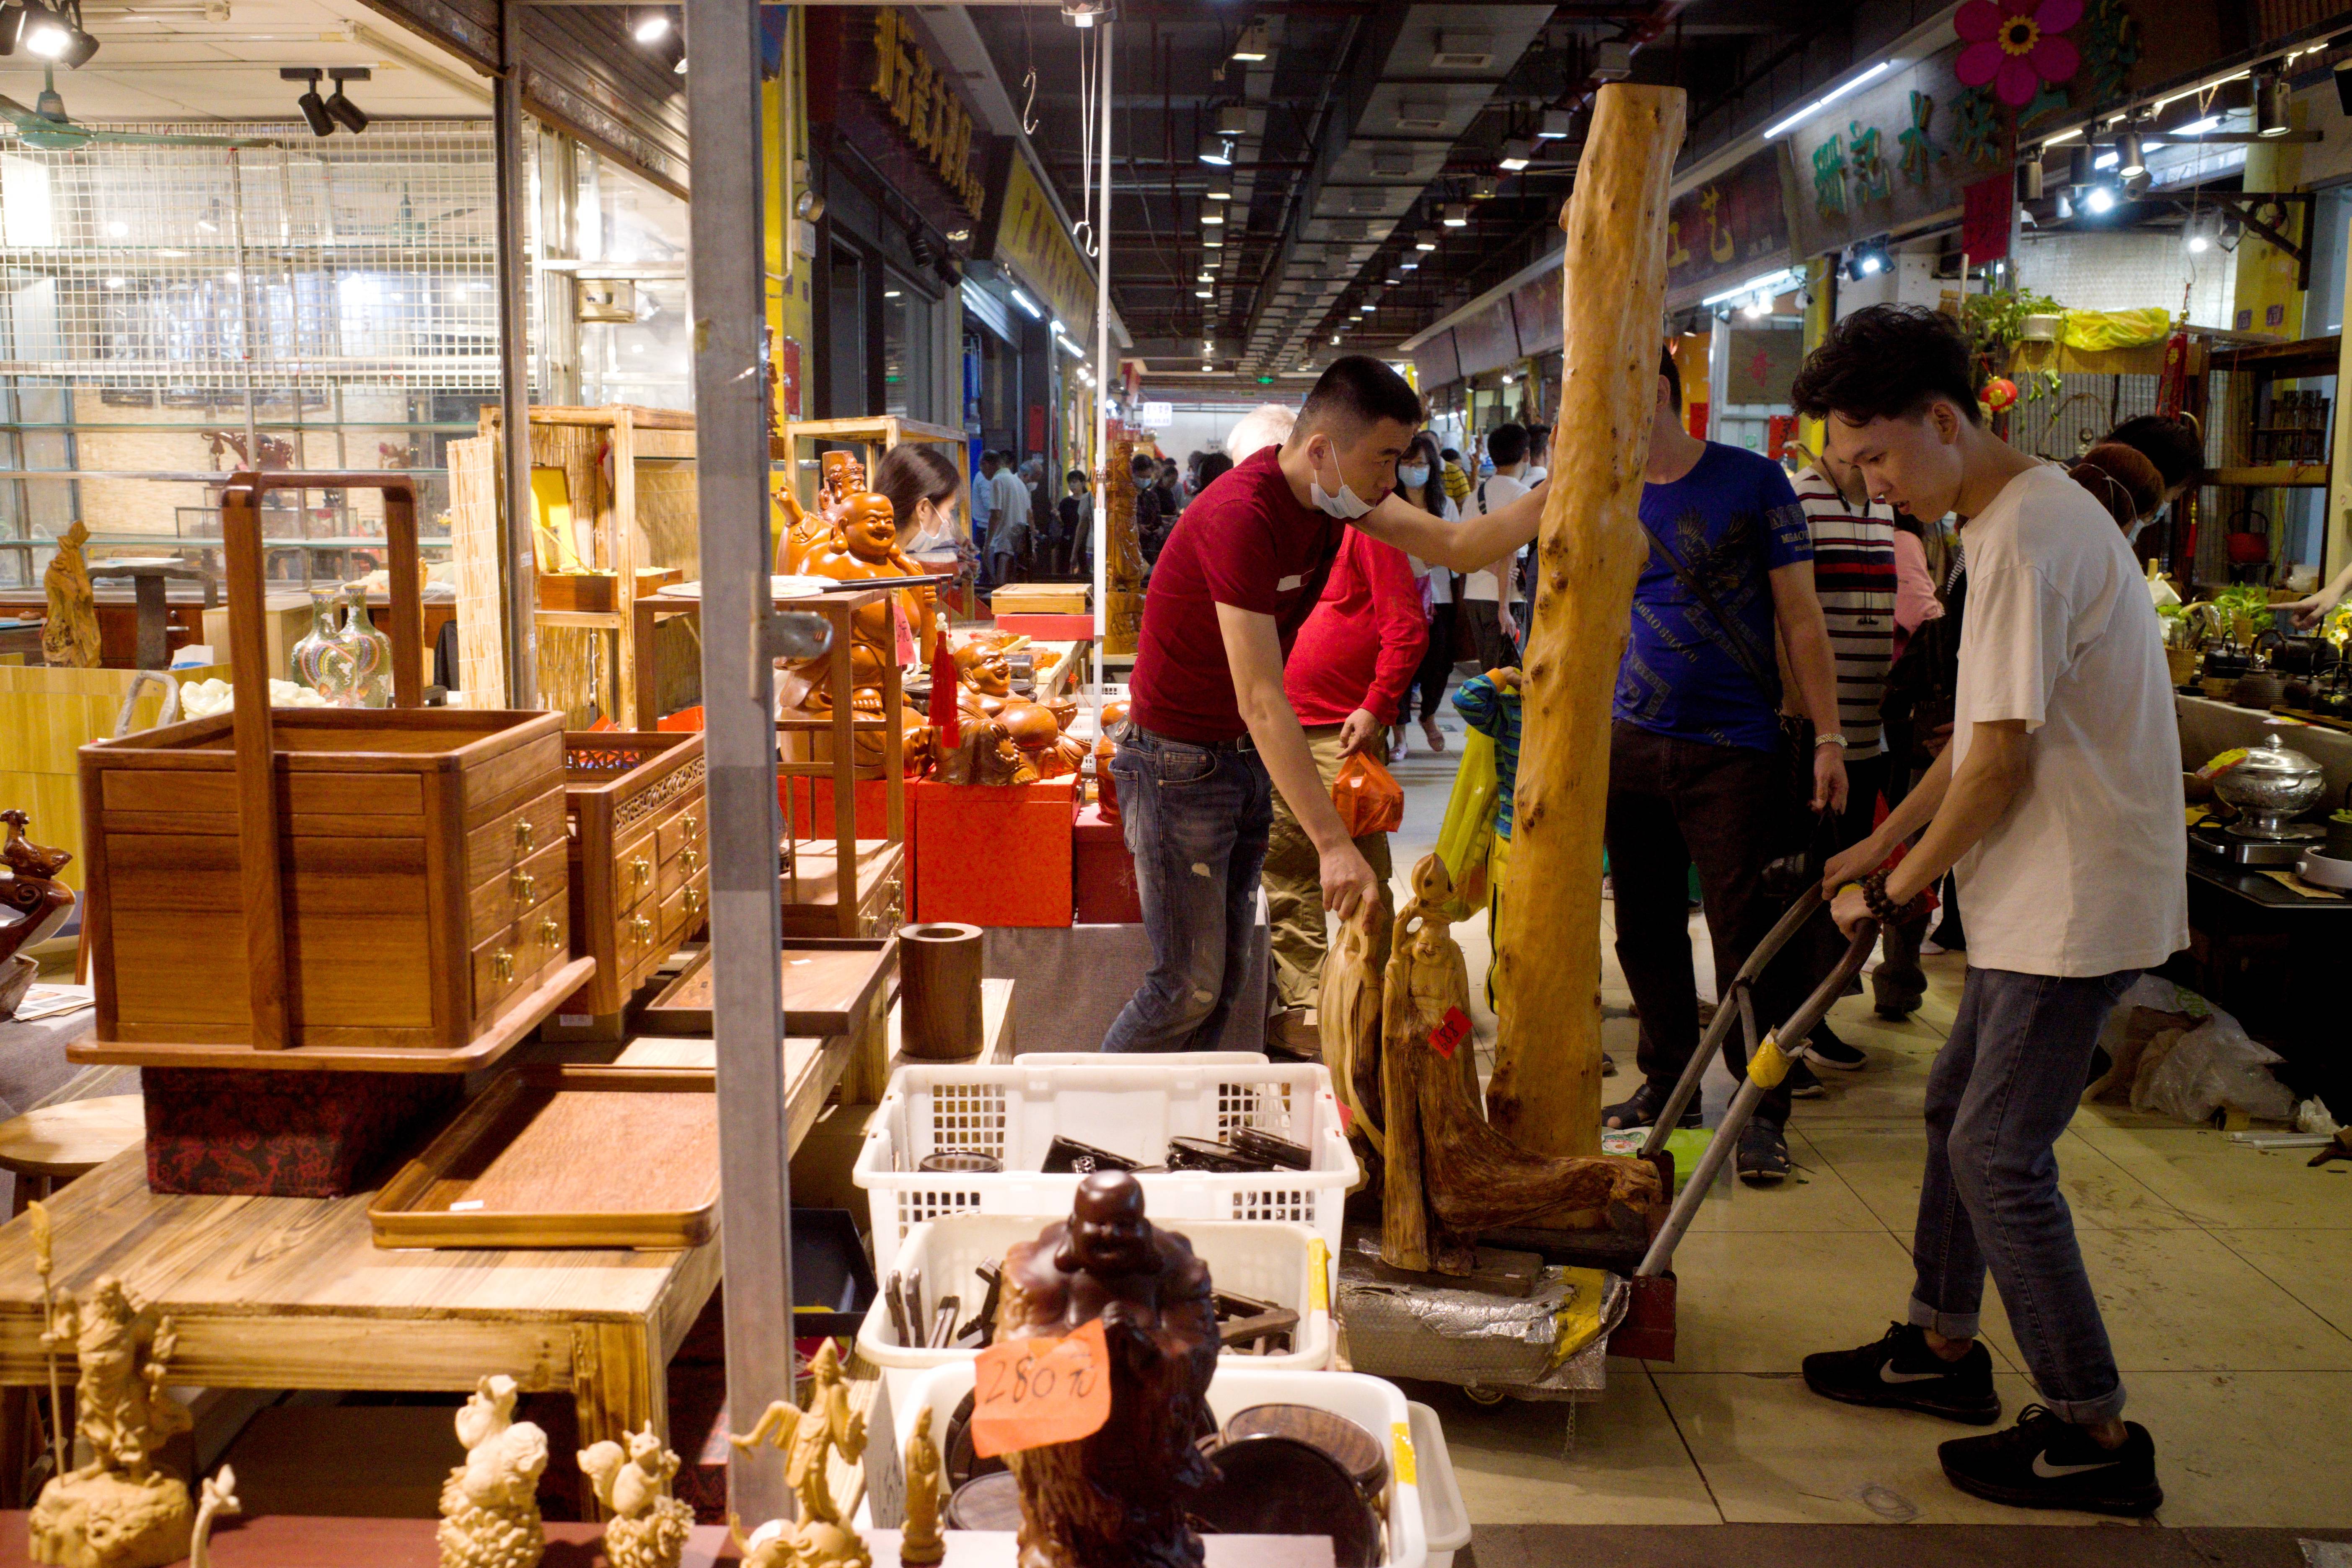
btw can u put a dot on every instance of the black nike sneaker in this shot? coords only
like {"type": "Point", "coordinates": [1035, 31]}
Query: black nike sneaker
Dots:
{"type": "Point", "coordinates": [2045, 1462]}
{"type": "Point", "coordinates": [1900, 1372]}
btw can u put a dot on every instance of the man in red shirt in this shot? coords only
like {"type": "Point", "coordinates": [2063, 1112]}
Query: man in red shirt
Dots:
{"type": "Point", "coordinates": [1210, 734]}
{"type": "Point", "coordinates": [1354, 661]}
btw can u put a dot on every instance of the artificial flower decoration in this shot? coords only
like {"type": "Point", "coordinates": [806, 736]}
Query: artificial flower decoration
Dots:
{"type": "Point", "coordinates": [2000, 394]}
{"type": "Point", "coordinates": [2015, 46]}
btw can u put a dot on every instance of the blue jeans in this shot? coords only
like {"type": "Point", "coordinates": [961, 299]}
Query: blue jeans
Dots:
{"type": "Point", "coordinates": [1196, 819]}
{"type": "Point", "coordinates": [2001, 1090]}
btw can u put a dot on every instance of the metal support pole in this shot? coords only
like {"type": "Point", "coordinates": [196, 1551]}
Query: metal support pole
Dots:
{"type": "Point", "coordinates": [730, 388]}
{"type": "Point", "coordinates": [517, 568]}
{"type": "Point", "coordinates": [1105, 373]}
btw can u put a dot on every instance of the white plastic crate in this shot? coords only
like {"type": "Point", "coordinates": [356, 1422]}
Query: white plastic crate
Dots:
{"type": "Point", "coordinates": [1015, 1113]}
{"type": "Point", "coordinates": [1368, 1401]}
{"type": "Point", "coordinates": [1285, 1264]}
{"type": "Point", "coordinates": [1445, 1517]}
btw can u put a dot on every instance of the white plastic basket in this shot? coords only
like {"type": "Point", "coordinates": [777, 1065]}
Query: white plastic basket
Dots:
{"type": "Point", "coordinates": [1015, 1112]}
{"type": "Point", "coordinates": [1445, 1517]}
{"type": "Point", "coordinates": [1368, 1401]}
{"type": "Point", "coordinates": [1146, 1060]}
{"type": "Point", "coordinates": [1285, 1264]}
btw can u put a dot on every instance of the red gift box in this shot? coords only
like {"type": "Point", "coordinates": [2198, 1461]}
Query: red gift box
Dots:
{"type": "Point", "coordinates": [1102, 873]}
{"type": "Point", "coordinates": [993, 854]}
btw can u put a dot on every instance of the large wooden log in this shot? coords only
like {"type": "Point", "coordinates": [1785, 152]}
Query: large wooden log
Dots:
{"type": "Point", "coordinates": [1545, 1095]}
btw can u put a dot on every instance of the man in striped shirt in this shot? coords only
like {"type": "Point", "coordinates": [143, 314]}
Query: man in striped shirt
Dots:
{"type": "Point", "coordinates": [1853, 576]}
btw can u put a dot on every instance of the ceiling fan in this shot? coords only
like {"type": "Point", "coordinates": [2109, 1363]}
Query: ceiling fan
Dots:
{"type": "Point", "coordinates": [45, 126]}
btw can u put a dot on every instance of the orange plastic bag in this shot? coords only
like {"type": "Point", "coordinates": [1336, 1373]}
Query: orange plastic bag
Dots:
{"type": "Point", "coordinates": [1369, 797]}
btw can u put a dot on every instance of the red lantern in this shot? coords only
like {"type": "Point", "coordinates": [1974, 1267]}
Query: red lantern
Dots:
{"type": "Point", "coordinates": [2000, 394]}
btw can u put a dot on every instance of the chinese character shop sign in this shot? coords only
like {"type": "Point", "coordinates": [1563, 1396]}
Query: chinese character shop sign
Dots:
{"type": "Point", "coordinates": [1899, 156]}
{"type": "Point", "coordinates": [922, 102]}
{"type": "Point", "coordinates": [1726, 229]}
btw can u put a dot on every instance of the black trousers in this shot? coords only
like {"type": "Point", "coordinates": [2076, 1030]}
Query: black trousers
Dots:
{"type": "Point", "coordinates": [1672, 804]}
{"type": "Point", "coordinates": [1496, 651]}
{"type": "Point", "coordinates": [1437, 663]}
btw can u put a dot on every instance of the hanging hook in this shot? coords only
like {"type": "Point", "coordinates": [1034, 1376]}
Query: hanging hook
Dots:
{"type": "Point", "coordinates": [1029, 98]}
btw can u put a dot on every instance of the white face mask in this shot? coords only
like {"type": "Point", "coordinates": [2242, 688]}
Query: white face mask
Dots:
{"type": "Point", "coordinates": [1413, 478]}
{"type": "Point", "coordinates": [1344, 503]}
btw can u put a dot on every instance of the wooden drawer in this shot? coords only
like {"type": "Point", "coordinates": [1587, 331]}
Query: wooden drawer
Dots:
{"type": "Point", "coordinates": [636, 937]}
{"type": "Point", "coordinates": [685, 910]}
{"type": "Point", "coordinates": [514, 836]}
{"type": "Point", "coordinates": [636, 871]}
{"type": "Point", "coordinates": [512, 957]}
{"type": "Point", "coordinates": [504, 900]}
{"type": "Point", "coordinates": [681, 830]}
{"type": "Point", "coordinates": [678, 870]}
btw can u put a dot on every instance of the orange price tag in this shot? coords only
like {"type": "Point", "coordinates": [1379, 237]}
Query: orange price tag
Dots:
{"type": "Point", "coordinates": [1030, 1393]}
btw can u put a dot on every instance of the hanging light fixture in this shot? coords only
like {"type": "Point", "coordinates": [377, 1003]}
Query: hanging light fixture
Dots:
{"type": "Point", "coordinates": [347, 114]}
{"type": "Point", "coordinates": [1254, 45]}
{"type": "Point", "coordinates": [1217, 152]}
{"type": "Point", "coordinates": [2130, 160]}
{"type": "Point", "coordinates": [1457, 215]}
{"type": "Point", "coordinates": [651, 26]}
{"type": "Point", "coordinates": [1517, 153]}
{"type": "Point", "coordinates": [53, 34]}
{"type": "Point", "coordinates": [313, 107]}
{"type": "Point", "coordinates": [1485, 188]}
{"type": "Point", "coordinates": [1425, 239]}
{"type": "Point", "coordinates": [2272, 98]}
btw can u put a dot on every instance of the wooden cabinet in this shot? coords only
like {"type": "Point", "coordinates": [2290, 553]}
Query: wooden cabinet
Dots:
{"type": "Point", "coordinates": [634, 802]}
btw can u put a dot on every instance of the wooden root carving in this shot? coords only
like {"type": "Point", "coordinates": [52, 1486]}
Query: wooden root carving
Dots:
{"type": "Point", "coordinates": [1448, 1174]}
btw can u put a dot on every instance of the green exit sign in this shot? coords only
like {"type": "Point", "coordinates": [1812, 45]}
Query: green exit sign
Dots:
{"type": "Point", "coordinates": [1266, 381]}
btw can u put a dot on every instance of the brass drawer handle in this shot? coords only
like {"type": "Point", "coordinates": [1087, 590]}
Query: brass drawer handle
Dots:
{"type": "Point", "coordinates": [640, 871]}
{"type": "Point", "coordinates": [550, 931]}
{"type": "Point", "coordinates": [524, 833]}
{"type": "Point", "coordinates": [692, 858]}
{"type": "Point", "coordinates": [641, 930]}
{"type": "Point", "coordinates": [502, 965]}
{"type": "Point", "coordinates": [692, 824]}
{"type": "Point", "coordinates": [524, 883]}
{"type": "Point", "coordinates": [693, 900]}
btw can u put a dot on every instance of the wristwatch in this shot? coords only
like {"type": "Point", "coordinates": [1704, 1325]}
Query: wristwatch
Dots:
{"type": "Point", "coordinates": [1838, 741]}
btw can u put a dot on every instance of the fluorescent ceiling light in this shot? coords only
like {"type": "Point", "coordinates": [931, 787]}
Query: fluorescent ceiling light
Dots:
{"type": "Point", "coordinates": [1070, 348]}
{"type": "Point", "coordinates": [1851, 83]}
{"type": "Point", "coordinates": [1028, 304]}
{"type": "Point", "coordinates": [2199, 127]}
{"type": "Point", "coordinates": [1786, 278]}
{"type": "Point", "coordinates": [1204, 293]}
{"type": "Point", "coordinates": [2106, 160]}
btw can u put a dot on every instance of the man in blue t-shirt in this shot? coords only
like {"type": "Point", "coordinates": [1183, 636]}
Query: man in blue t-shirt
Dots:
{"type": "Point", "coordinates": [1696, 772]}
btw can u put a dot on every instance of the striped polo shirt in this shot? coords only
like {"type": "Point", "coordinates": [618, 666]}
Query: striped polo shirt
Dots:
{"type": "Point", "coordinates": [1854, 573]}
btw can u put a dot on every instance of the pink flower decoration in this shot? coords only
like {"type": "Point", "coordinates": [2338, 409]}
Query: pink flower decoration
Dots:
{"type": "Point", "coordinates": [2015, 46]}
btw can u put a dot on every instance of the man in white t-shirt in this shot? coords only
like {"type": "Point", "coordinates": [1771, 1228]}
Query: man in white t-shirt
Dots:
{"type": "Point", "coordinates": [1489, 594]}
{"type": "Point", "coordinates": [1008, 528]}
{"type": "Point", "coordinates": [2058, 806]}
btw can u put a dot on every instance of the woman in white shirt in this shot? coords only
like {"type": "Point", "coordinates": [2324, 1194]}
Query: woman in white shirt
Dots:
{"type": "Point", "coordinates": [1420, 479]}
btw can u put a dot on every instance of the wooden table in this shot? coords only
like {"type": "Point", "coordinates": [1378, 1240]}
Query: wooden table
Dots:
{"type": "Point", "coordinates": [294, 1293]}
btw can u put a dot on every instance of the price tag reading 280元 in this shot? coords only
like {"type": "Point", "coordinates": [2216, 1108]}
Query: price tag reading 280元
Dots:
{"type": "Point", "coordinates": [1447, 1038]}
{"type": "Point", "coordinates": [1030, 1393]}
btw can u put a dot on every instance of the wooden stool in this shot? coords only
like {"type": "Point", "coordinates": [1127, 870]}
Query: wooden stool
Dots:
{"type": "Point", "coordinates": [51, 1146]}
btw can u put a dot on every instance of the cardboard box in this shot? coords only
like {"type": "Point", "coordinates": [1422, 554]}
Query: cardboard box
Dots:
{"type": "Point", "coordinates": [1102, 873]}
{"type": "Point", "coordinates": [993, 854]}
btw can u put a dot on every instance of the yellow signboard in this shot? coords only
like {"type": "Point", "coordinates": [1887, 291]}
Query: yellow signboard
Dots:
{"type": "Point", "coordinates": [1031, 240]}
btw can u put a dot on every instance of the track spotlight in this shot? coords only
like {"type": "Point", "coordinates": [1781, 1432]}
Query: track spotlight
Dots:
{"type": "Point", "coordinates": [53, 35]}
{"type": "Point", "coordinates": [1867, 259]}
{"type": "Point", "coordinates": [2130, 163]}
{"type": "Point", "coordinates": [2101, 200]}
{"type": "Point", "coordinates": [313, 107]}
{"type": "Point", "coordinates": [348, 115]}
{"type": "Point", "coordinates": [2272, 115]}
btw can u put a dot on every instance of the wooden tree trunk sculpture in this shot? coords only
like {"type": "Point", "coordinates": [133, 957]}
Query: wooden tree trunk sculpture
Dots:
{"type": "Point", "coordinates": [1546, 1090]}
{"type": "Point", "coordinates": [1447, 1175]}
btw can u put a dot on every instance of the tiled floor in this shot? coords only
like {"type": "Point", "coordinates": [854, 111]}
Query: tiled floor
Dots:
{"type": "Point", "coordinates": [2225, 1276]}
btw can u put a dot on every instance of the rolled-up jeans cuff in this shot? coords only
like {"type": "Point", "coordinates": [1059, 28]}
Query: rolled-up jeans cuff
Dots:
{"type": "Point", "coordinates": [2087, 1412]}
{"type": "Point", "coordinates": [1951, 1325]}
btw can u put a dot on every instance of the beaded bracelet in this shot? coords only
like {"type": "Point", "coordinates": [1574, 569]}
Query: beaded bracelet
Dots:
{"type": "Point", "coordinates": [1884, 910]}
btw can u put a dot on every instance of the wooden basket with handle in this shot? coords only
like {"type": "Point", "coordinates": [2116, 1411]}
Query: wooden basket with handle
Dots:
{"type": "Point", "coordinates": [398, 875]}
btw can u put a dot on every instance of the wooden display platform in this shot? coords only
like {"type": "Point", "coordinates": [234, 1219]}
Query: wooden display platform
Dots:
{"type": "Point", "coordinates": [279, 1541]}
{"type": "Point", "coordinates": [812, 892]}
{"type": "Point", "coordinates": [829, 986]}
{"type": "Point", "coordinates": [541, 1159]}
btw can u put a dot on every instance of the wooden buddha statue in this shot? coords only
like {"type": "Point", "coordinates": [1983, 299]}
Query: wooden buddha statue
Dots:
{"type": "Point", "coordinates": [865, 545]}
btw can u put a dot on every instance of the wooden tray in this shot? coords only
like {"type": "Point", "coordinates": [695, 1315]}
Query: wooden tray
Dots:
{"type": "Point", "coordinates": [829, 987]}
{"type": "Point", "coordinates": [566, 1156]}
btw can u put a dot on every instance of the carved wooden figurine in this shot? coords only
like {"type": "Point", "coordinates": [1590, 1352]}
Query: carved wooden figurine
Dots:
{"type": "Point", "coordinates": [69, 637]}
{"type": "Point", "coordinates": [1115, 1500]}
{"type": "Point", "coordinates": [808, 534]}
{"type": "Point", "coordinates": [920, 1542]}
{"type": "Point", "coordinates": [984, 689]}
{"type": "Point", "coordinates": [865, 546]}
{"type": "Point", "coordinates": [119, 1510]}
{"type": "Point", "coordinates": [489, 1504]}
{"type": "Point", "coordinates": [820, 1537]}
{"type": "Point", "coordinates": [1448, 1174]}
{"type": "Point", "coordinates": [30, 890]}
{"type": "Point", "coordinates": [648, 1527]}
{"type": "Point", "coordinates": [217, 1497]}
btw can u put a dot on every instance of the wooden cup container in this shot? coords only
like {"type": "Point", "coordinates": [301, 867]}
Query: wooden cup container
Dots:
{"type": "Point", "coordinates": [938, 990]}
